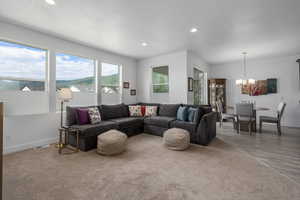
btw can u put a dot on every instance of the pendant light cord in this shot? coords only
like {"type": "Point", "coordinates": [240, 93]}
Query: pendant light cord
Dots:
{"type": "Point", "coordinates": [245, 72]}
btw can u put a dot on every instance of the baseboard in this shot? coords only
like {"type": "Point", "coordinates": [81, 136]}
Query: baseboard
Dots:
{"type": "Point", "coordinates": [31, 145]}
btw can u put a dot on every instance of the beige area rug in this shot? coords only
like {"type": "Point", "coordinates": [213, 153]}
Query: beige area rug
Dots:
{"type": "Point", "coordinates": [146, 171]}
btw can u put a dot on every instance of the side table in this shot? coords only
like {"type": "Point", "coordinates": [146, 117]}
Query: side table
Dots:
{"type": "Point", "coordinates": [64, 135]}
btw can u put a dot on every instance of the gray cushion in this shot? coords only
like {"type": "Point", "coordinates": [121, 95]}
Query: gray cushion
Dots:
{"type": "Point", "coordinates": [129, 121]}
{"type": "Point", "coordinates": [168, 110]}
{"type": "Point", "coordinates": [160, 121]}
{"type": "Point", "coordinates": [114, 111]}
{"type": "Point", "coordinates": [268, 119]}
{"type": "Point", "coordinates": [203, 109]}
{"type": "Point", "coordinates": [88, 130]}
{"type": "Point", "coordinates": [189, 126]}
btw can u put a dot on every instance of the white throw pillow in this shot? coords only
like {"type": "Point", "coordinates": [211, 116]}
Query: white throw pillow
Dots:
{"type": "Point", "coordinates": [151, 111]}
{"type": "Point", "coordinates": [94, 115]}
{"type": "Point", "coordinates": [135, 111]}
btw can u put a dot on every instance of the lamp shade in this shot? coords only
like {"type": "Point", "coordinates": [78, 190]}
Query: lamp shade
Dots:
{"type": "Point", "coordinates": [65, 94]}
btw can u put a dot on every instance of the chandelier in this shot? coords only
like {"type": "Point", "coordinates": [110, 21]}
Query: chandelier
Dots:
{"type": "Point", "coordinates": [244, 80]}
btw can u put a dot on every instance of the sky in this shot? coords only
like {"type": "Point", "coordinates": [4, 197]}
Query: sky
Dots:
{"type": "Point", "coordinates": [20, 61]}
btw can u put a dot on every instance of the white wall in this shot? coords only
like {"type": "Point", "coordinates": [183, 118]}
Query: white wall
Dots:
{"type": "Point", "coordinates": [177, 63]}
{"type": "Point", "coordinates": [28, 120]}
{"type": "Point", "coordinates": [195, 61]}
{"type": "Point", "coordinates": [285, 69]}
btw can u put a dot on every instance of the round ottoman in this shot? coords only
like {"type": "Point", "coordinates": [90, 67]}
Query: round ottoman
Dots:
{"type": "Point", "coordinates": [176, 139]}
{"type": "Point", "coordinates": [111, 142]}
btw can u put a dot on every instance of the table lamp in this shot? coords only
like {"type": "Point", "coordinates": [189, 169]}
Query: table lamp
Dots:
{"type": "Point", "coordinates": [64, 95]}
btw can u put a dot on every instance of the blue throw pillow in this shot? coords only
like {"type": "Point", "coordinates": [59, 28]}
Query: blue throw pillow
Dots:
{"type": "Point", "coordinates": [182, 113]}
{"type": "Point", "coordinates": [192, 114]}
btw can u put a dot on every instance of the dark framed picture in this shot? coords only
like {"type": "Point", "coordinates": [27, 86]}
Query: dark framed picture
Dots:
{"type": "Point", "coordinates": [126, 85]}
{"type": "Point", "coordinates": [190, 84]}
{"type": "Point", "coordinates": [132, 92]}
{"type": "Point", "coordinates": [272, 85]}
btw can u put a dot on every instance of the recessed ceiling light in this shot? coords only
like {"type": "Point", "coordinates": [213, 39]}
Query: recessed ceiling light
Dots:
{"type": "Point", "coordinates": [50, 2]}
{"type": "Point", "coordinates": [193, 30]}
{"type": "Point", "coordinates": [144, 44]}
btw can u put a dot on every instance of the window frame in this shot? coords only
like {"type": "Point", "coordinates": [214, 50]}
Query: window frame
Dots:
{"type": "Point", "coordinates": [167, 83]}
{"type": "Point", "coordinates": [119, 74]}
{"type": "Point", "coordinates": [46, 79]}
{"type": "Point", "coordinates": [95, 61]}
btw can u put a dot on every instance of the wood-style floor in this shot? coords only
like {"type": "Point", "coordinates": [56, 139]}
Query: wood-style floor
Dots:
{"type": "Point", "coordinates": [281, 153]}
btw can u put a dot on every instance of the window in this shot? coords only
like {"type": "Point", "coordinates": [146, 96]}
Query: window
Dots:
{"type": "Point", "coordinates": [75, 72]}
{"type": "Point", "coordinates": [160, 79]}
{"type": "Point", "coordinates": [22, 68]}
{"type": "Point", "coordinates": [110, 78]}
{"type": "Point", "coordinates": [199, 87]}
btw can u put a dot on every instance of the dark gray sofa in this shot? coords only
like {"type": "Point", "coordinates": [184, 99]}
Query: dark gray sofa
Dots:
{"type": "Point", "coordinates": [202, 129]}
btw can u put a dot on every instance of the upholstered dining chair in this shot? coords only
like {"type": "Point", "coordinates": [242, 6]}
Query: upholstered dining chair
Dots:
{"type": "Point", "coordinates": [224, 115]}
{"type": "Point", "coordinates": [245, 113]}
{"type": "Point", "coordinates": [274, 120]}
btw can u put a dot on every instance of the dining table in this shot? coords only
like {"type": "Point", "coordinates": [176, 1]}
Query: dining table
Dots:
{"type": "Point", "coordinates": [244, 126]}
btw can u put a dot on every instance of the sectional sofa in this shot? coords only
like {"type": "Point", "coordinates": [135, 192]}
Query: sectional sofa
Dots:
{"type": "Point", "coordinates": [202, 129]}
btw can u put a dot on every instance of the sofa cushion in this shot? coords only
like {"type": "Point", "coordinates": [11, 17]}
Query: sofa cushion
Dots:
{"type": "Point", "coordinates": [71, 114]}
{"type": "Point", "coordinates": [89, 130]}
{"type": "Point", "coordinates": [128, 121]}
{"type": "Point", "coordinates": [182, 113]}
{"type": "Point", "coordinates": [168, 110]}
{"type": "Point", "coordinates": [94, 115]}
{"type": "Point", "coordinates": [160, 121]}
{"type": "Point", "coordinates": [189, 126]}
{"type": "Point", "coordinates": [150, 111]}
{"type": "Point", "coordinates": [193, 114]}
{"type": "Point", "coordinates": [114, 111]}
{"type": "Point", "coordinates": [203, 109]}
{"type": "Point", "coordinates": [82, 116]}
{"type": "Point", "coordinates": [135, 111]}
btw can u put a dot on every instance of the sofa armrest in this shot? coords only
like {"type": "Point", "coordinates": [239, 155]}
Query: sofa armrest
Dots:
{"type": "Point", "coordinates": [206, 130]}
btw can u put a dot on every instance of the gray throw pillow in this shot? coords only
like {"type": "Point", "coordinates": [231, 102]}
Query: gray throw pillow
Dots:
{"type": "Point", "coordinates": [192, 114]}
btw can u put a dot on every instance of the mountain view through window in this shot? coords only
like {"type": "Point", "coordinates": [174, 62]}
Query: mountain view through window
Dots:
{"type": "Point", "coordinates": [75, 72]}
{"type": "Point", "coordinates": [22, 68]}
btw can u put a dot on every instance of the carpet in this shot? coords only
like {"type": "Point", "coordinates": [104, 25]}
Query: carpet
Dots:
{"type": "Point", "coordinates": [146, 171]}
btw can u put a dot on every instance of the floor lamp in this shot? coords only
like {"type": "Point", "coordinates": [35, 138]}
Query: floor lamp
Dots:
{"type": "Point", "coordinates": [64, 95]}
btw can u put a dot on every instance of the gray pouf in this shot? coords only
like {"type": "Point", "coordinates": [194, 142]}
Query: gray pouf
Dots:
{"type": "Point", "coordinates": [176, 139]}
{"type": "Point", "coordinates": [111, 142]}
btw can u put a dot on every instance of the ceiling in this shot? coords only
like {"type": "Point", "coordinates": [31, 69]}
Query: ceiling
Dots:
{"type": "Point", "coordinates": [263, 28]}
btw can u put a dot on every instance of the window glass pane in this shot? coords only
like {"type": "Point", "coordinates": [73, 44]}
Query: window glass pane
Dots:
{"type": "Point", "coordinates": [110, 78]}
{"type": "Point", "coordinates": [75, 72]}
{"type": "Point", "coordinates": [160, 75]}
{"type": "Point", "coordinates": [22, 67]}
{"type": "Point", "coordinates": [160, 88]}
{"type": "Point", "coordinates": [160, 79]}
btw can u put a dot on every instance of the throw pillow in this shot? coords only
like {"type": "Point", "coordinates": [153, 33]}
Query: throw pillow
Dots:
{"type": "Point", "coordinates": [143, 108]}
{"type": "Point", "coordinates": [193, 114]}
{"type": "Point", "coordinates": [135, 111]}
{"type": "Point", "coordinates": [94, 115]}
{"type": "Point", "coordinates": [151, 111]}
{"type": "Point", "coordinates": [182, 113]}
{"type": "Point", "coordinates": [82, 116]}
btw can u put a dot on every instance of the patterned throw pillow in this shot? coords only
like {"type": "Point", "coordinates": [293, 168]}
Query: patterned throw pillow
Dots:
{"type": "Point", "coordinates": [143, 110]}
{"type": "Point", "coordinates": [94, 114]}
{"type": "Point", "coordinates": [151, 111]}
{"type": "Point", "coordinates": [135, 111]}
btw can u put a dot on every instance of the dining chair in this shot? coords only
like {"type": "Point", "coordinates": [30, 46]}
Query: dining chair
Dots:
{"type": "Point", "coordinates": [224, 115]}
{"type": "Point", "coordinates": [273, 120]}
{"type": "Point", "coordinates": [245, 112]}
